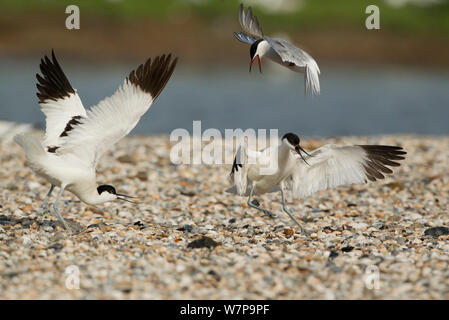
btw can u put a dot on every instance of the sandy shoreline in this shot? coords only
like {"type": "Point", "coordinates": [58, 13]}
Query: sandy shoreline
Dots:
{"type": "Point", "coordinates": [142, 251]}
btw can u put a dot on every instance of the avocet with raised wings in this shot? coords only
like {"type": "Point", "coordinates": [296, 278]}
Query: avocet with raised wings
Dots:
{"type": "Point", "coordinates": [75, 139]}
{"type": "Point", "coordinates": [304, 173]}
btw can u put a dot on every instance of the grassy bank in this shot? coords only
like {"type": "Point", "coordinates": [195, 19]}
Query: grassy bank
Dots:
{"type": "Point", "coordinates": [316, 15]}
{"type": "Point", "coordinates": [198, 31]}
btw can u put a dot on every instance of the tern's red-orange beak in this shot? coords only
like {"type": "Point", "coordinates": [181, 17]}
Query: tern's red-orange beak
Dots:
{"type": "Point", "coordinates": [258, 60]}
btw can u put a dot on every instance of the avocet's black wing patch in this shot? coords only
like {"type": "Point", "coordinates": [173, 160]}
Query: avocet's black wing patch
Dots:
{"type": "Point", "coordinates": [59, 102]}
{"type": "Point", "coordinates": [53, 84]}
{"type": "Point", "coordinates": [52, 149]}
{"type": "Point", "coordinates": [69, 126]}
{"type": "Point", "coordinates": [379, 157]}
{"type": "Point", "coordinates": [152, 76]}
{"type": "Point", "coordinates": [235, 166]}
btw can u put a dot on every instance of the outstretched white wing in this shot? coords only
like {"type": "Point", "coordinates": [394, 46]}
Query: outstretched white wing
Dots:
{"type": "Point", "coordinates": [291, 54]}
{"type": "Point", "coordinates": [249, 23]}
{"type": "Point", "coordinates": [114, 117]}
{"type": "Point", "coordinates": [331, 166]}
{"type": "Point", "coordinates": [59, 101]}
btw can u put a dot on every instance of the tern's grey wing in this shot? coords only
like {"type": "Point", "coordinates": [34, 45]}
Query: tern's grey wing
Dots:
{"type": "Point", "coordinates": [249, 23]}
{"type": "Point", "coordinates": [288, 52]}
{"type": "Point", "coordinates": [242, 37]}
{"type": "Point", "coordinates": [291, 54]}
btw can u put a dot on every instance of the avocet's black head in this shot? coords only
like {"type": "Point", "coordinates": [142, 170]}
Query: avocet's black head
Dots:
{"type": "Point", "coordinates": [108, 193]}
{"type": "Point", "coordinates": [106, 188]}
{"type": "Point", "coordinates": [292, 140]}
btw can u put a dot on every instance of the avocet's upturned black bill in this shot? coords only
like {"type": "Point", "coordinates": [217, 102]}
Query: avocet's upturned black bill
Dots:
{"type": "Point", "coordinates": [277, 50]}
{"type": "Point", "coordinates": [327, 167]}
{"type": "Point", "coordinates": [75, 139]}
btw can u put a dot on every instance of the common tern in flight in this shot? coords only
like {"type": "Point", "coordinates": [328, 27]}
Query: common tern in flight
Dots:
{"type": "Point", "coordinates": [305, 173]}
{"type": "Point", "coordinates": [75, 139]}
{"type": "Point", "coordinates": [277, 50]}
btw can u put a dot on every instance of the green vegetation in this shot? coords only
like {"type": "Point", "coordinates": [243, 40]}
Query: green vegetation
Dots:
{"type": "Point", "coordinates": [313, 15]}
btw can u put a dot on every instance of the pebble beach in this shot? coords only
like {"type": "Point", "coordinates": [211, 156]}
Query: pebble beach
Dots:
{"type": "Point", "coordinates": [188, 239]}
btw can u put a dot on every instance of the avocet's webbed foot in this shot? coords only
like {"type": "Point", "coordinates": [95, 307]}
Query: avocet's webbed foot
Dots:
{"type": "Point", "coordinates": [303, 230]}
{"type": "Point", "coordinates": [256, 205]}
{"type": "Point", "coordinates": [268, 214]}
{"type": "Point", "coordinates": [43, 212]}
{"type": "Point", "coordinates": [61, 219]}
{"type": "Point", "coordinates": [255, 202]}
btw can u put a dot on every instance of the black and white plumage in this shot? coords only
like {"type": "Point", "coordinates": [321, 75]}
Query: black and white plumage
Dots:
{"type": "Point", "coordinates": [277, 50]}
{"type": "Point", "coordinates": [76, 138]}
{"type": "Point", "coordinates": [305, 173]}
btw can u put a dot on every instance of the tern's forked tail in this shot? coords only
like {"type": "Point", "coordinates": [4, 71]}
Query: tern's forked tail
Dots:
{"type": "Point", "coordinates": [312, 80]}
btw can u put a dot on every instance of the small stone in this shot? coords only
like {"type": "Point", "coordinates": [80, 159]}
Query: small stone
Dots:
{"type": "Point", "coordinates": [328, 230]}
{"type": "Point", "coordinates": [126, 158]}
{"type": "Point", "coordinates": [332, 255]}
{"type": "Point", "coordinates": [215, 275]}
{"type": "Point", "coordinates": [436, 232]}
{"type": "Point", "coordinates": [379, 225]}
{"type": "Point", "coordinates": [48, 228]}
{"type": "Point", "coordinates": [204, 242]}
{"type": "Point", "coordinates": [56, 246]}
{"type": "Point", "coordinates": [350, 204]}
{"type": "Point", "coordinates": [138, 224]}
{"type": "Point", "coordinates": [97, 225]}
{"type": "Point", "coordinates": [395, 185]}
{"type": "Point", "coordinates": [288, 232]}
{"type": "Point", "coordinates": [187, 193]}
{"type": "Point", "coordinates": [27, 241]}
{"type": "Point", "coordinates": [232, 220]}
{"type": "Point", "coordinates": [187, 228]}
{"type": "Point", "coordinates": [360, 226]}
{"type": "Point", "coordinates": [347, 249]}
{"type": "Point", "coordinates": [58, 236]}
{"type": "Point", "coordinates": [142, 176]}
{"type": "Point", "coordinates": [27, 208]}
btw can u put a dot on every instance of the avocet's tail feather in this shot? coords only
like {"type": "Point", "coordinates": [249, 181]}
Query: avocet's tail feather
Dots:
{"type": "Point", "coordinates": [32, 147]}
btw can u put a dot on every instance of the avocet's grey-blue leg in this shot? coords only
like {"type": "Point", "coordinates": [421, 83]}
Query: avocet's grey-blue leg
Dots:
{"type": "Point", "coordinates": [266, 212]}
{"type": "Point", "coordinates": [44, 206]}
{"type": "Point", "coordinates": [284, 207]}
{"type": "Point", "coordinates": [56, 208]}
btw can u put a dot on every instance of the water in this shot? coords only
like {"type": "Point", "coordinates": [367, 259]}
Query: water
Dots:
{"type": "Point", "coordinates": [354, 101]}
